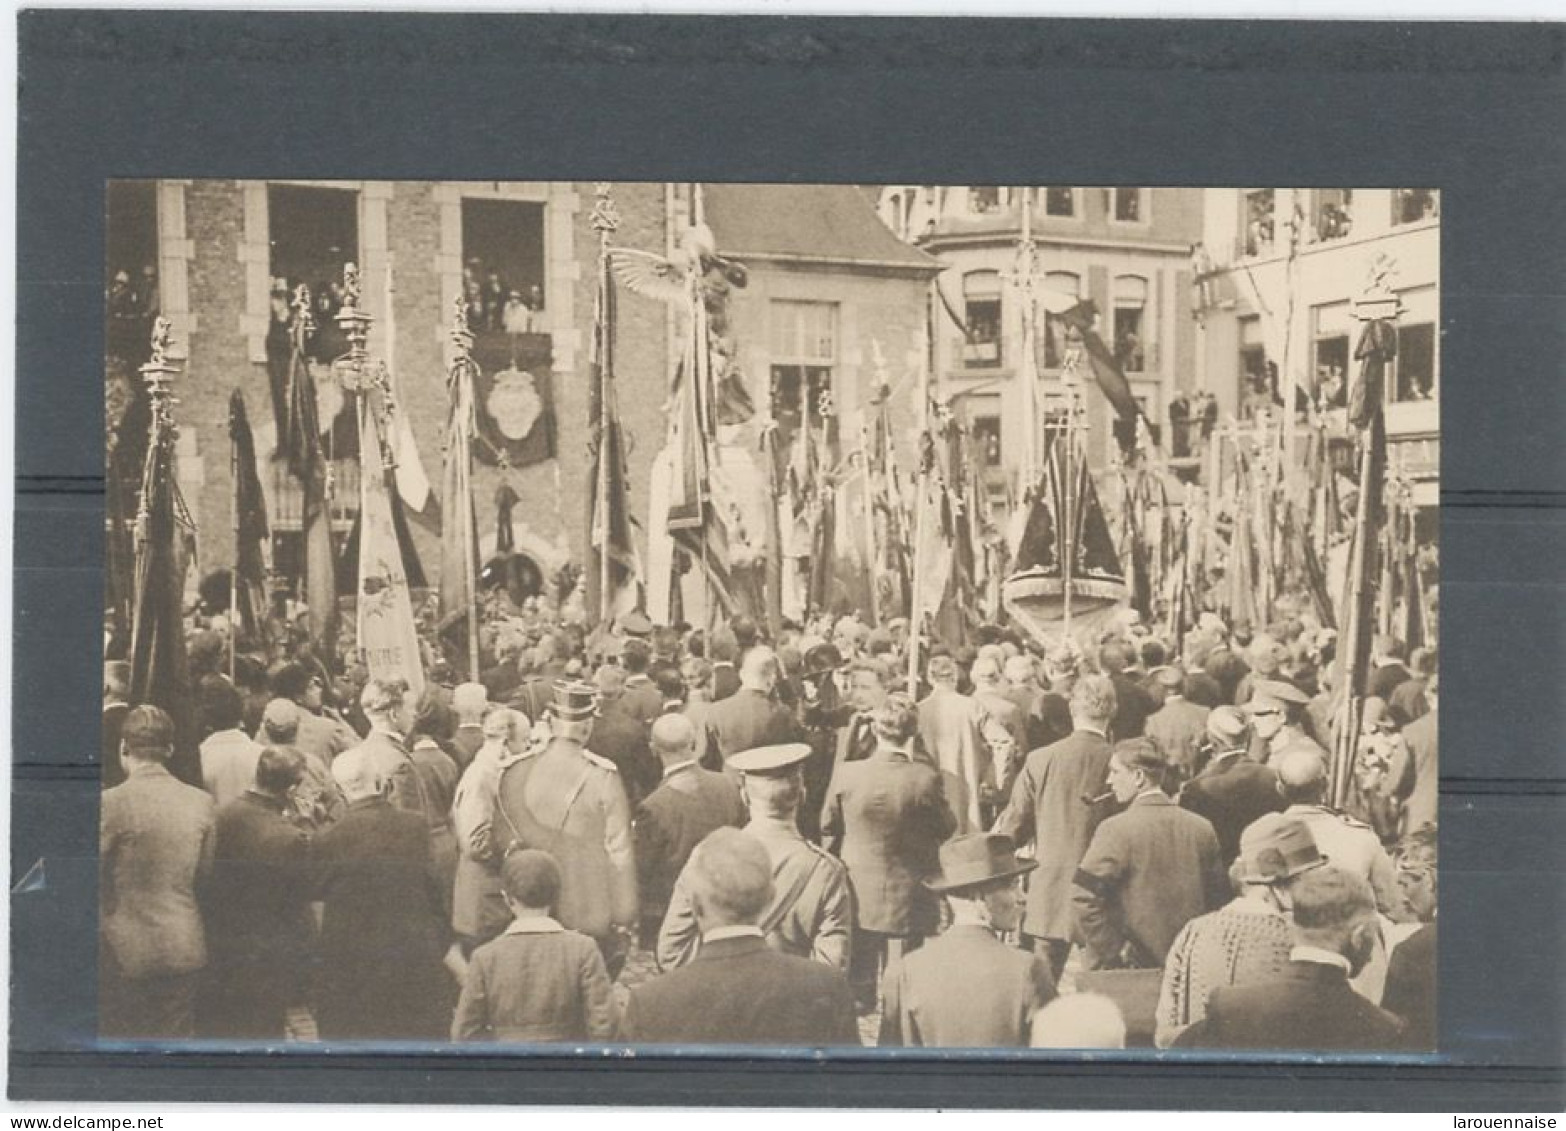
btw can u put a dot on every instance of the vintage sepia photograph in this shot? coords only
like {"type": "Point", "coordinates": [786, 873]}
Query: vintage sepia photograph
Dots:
{"type": "Point", "coordinates": [810, 616]}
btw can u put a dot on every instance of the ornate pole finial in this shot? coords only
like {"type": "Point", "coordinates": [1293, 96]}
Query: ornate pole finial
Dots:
{"type": "Point", "coordinates": [304, 319]}
{"type": "Point", "coordinates": [159, 371]}
{"type": "Point", "coordinates": [355, 324]}
{"type": "Point", "coordinates": [1378, 300]}
{"type": "Point", "coordinates": [606, 217]}
{"type": "Point", "coordinates": [461, 334]}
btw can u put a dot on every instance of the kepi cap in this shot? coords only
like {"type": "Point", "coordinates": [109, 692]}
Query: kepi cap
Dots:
{"type": "Point", "coordinates": [574, 700]}
{"type": "Point", "coordinates": [1277, 691]}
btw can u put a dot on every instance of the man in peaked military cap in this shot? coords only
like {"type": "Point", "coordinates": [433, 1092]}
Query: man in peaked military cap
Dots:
{"type": "Point", "coordinates": [1275, 708]}
{"type": "Point", "coordinates": [570, 803]}
{"type": "Point", "coordinates": [812, 913]}
{"type": "Point", "coordinates": [968, 988]}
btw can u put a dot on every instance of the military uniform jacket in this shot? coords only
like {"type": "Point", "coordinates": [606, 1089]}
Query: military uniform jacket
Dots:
{"type": "Point", "coordinates": [740, 991]}
{"type": "Point", "coordinates": [1147, 873]}
{"type": "Point", "coordinates": [889, 816]}
{"type": "Point", "coordinates": [1047, 808]}
{"type": "Point", "coordinates": [965, 989]}
{"type": "Point", "coordinates": [570, 803]}
{"type": "Point", "coordinates": [1309, 1006]}
{"type": "Point", "coordinates": [743, 721]}
{"type": "Point", "coordinates": [1353, 846]}
{"type": "Point", "coordinates": [1231, 793]}
{"type": "Point", "coordinates": [812, 912]}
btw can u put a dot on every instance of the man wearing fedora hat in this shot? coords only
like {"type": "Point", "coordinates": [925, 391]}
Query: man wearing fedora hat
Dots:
{"type": "Point", "coordinates": [569, 802]}
{"type": "Point", "coordinates": [1148, 870]}
{"type": "Point", "coordinates": [812, 910]}
{"type": "Point", "coordinates": [1231, 790]}
{"type": "Point", "coordinates": [968, 988]}
{"type": "Point", "coordinates": [1246, 940]}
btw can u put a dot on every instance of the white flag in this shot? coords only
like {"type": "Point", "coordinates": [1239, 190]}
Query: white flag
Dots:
{"type": "Point", "coordinates": [388, 640]}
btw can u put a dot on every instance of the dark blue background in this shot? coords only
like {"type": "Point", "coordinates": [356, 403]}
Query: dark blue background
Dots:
{"type": "Point", "coordinates": [1476, 110]}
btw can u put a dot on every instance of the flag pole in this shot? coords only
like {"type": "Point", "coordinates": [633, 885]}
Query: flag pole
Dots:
{"type": "Point", "coordinates": [464, 394]}
{"type": "Point", "coordinates": [921, 513]}
{"type": "Point", "coordinates": [234, 619]}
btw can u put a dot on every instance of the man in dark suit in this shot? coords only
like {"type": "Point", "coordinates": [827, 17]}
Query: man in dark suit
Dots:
{"type": "Point", "coordinates": [675, 817]}
{"type": "Point", "coordinates": [1231, 791]}
{"type": "Point", "coordinates": [738, 990]}
{"type": "Point", "coordinates": [259, 929]}
{"type": "Point", "coordinates": [1178, 727]}
{"type": "Point", "coordinates": [967, 988]}
{"type": "Point", "coordinates": [886, 818]}
{"type": "Point", "coordinates": [1310, 1006]}
{"type": "Point", "coordinates": [1133, 704]}
{"type": "Point", "coordinates": [641, 700]}
{"type": "Point", "coordinates": [1148, 871]}
{"type": "Point", "coordinates": [1055, 804]}
{"type": "Point", "coordinates": [382, 928]}
{"type": "Point", "coordinates": [750, 717]}
{"type": "Point", "coordinates": [622, 738]}
{"type": "Point", "coordinates": [723, 654]}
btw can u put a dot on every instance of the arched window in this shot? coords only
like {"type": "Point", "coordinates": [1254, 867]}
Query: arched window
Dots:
{"type": "Point", "coordinates": [1130, 325]}
{"type": "Point", "coordinates": [1065, 283]}
{"type": "Point", "coordinates": [981, 298]}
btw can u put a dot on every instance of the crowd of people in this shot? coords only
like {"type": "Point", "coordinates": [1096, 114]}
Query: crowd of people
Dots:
{"type": "Point", "coordinates": [656, 834]}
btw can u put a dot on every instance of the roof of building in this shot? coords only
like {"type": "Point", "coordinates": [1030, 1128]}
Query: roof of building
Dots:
{"type": "Point", "coordinates": [812, 223]}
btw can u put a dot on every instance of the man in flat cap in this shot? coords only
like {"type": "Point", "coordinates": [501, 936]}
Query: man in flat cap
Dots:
{"type": "Point", "coordinates": [1231, 791]}
{"type": "Point", "coordinates": [812, 912]}
{"type": "Point", "coordinates": [1275, 709]}
{"type": "Point", "coordinates": [1148, 870]}
{"type": "Point", "coordinates": [968, 988]}
{"type": "Point", "coordinates": [570, 803]}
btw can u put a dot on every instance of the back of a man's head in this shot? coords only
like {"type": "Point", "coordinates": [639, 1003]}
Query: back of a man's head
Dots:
{"type": "Point", "coordinates": [221, 704]}
{"type": "Point", "coordinates": [986, 671]}
{"type": "Point", "coordinates": [730, 877]}
{"type": "Point", "coordinates": [279, 769]}
{"type": "Point", "coordinates": [1079, 1021]}
{"type": "Point", "coordinates": [148, 733]}
{"type": "Point", "coordinates": [116, 679]}
{"type": "Point", "coordinates": [759, 671]}
{"type": "Point", "coordinates": [280, 721]}
{"type": "Point", "coordinates": [1093, 700]}
{"type": "Point", "coordinates": [1302, 776]}
{"type": "Point", "coordinates": [635, 655]}
{"type": "Point", "coordinates": [673, 738]}
{"type": "Point", "coordinates": [1115, 656]}
{"type": "Point", "coordinates": [1329, 903]}
{"type": "Point", "coordinates": [746, 633]}
{"type": "Point", "coordinates": [895, 721]}
{"type": "Point", "coordinates": [943, 671]}
{"type": "Point", "coordinates": [356, 774]}
{"type": "Point", "coordinates": [469, 701]}
{"type": "Point", "coordinates": [610, 681]}
{"type": "Point", "coordinates": [722, 648]}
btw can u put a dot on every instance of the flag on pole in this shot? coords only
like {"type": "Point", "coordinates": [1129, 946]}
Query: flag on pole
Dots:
{"type": "Point", "coordinates": [613, 568]}
{"type": "Point", "coordinates": [250, 523]}
{"type": "Point", "coordinates": [388, 638]}
{"type": "Point", "coordinates": [1106, 371]}
{"type": "Point", "coordinates": [159, 675]}
{"type": "Point", "coordinates": [459, 522]}
{"type": "Point", "coordinates": [413, 485]}
{"type": "Point", "coordinates": [308, 464]}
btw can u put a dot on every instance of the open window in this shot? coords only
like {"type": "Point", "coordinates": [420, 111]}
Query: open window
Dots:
{"type": "Point", "coordinates": [981, 296]}
{"type": "Point", "coordinates": [986, 200]}
{"type": "Point", "coordinates": [503, 266]}
{"type": "Point", "coordinates": [1414, 374]}
{"type": "Point", "coordinates": [1258, 221]}
{"type": "Point", "coordinates": [984, 423]}
{"type": "Point", "coordinates": [1060, 202]}
{"type": "Point", "coordinates": [1334, 214]}
{"type": "Point", "coordinates": [1128, 205]}
{"type": "Point", "coordinates": [804, 356]}
{"type": "Point", "coordinates": [1331, 333]}
{"type": "Point", "coordinates": [1410, 206]}
{"type": "Point", "coordinates": [1130, 328]}
{"type": "Point", "coordinates": [131, 299]}
{"type": "Point", "coordinates": [314, 231]}
{"type": "Point", "coordinates": [1253, 360]}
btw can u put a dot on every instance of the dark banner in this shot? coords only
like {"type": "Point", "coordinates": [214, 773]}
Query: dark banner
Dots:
{"type": "Point", "coordinates": [514, 397]}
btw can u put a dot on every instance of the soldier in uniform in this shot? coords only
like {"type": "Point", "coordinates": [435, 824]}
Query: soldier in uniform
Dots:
{"type": "Point", "coordinates": [1275, 709]}
{"type": "Point", "coordinates": [1350, 844]}
{"type": "Point", "coordinates": [812, 911]}
{"type": "Point", "coordinates": [570, 803]}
